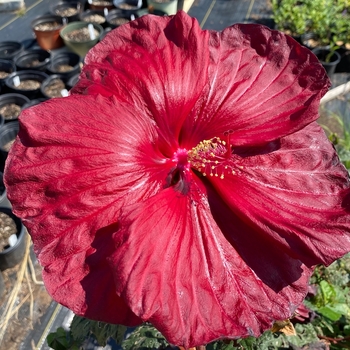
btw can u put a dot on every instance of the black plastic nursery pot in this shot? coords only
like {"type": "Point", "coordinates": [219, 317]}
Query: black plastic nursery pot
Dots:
{"type": "Point", "coordinates": [26, 82]}
{"type": "Point", "coordinates": [72, 81]}
{"type": "Point", "coordinates": [54, 86]}
{"type": "Point", "coordinates": [11, 105]}
{"type": "Point", "coordinates": [94, 16]}
{"type": "Point", "coordinates": [344, 65]}
{"type": "Point", "coordinates": [67, 9]}
{"type": "Point", "coordinates": [100, 5]}
{"type": "Point", "coordinates": [6, 68]}
{"type": "Point", "coordinates": [329, 61]}
{"type": "Point", "coordinates": [128, 6]}
{"type": "Point", "coordinates": [2, 285]}
{"type": "Point", "coordinates": [33, 59]}
{"type": "Point", "coordinates": [66, 64]}
{"type": "Point", "coordinates": [4, 202]}
{"type": "Point", "coordinates": [116, 18]}
{"type": "Point", "coordinates": [309, 40]}
{"type": "Point", "coordinates": [13, 253]}
{"type": "Point", "coordinates": [9, 49]}
{"type": "Point", "coordinates": [47, 31]}
{"type": "Point", "coordinates": [34, 102]}
{"type": "Point", "coordinates": [8, 134]}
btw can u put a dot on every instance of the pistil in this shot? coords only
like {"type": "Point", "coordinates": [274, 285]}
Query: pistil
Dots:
{"type": "Point", "coordinates": [211, 157]}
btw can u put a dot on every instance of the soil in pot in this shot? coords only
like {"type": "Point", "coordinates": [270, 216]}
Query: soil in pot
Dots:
{"type": "Point", "coordinates": [3, 74]}
{"type": "Point", "coordinates": [10, 111]}
{"type": "Point", "coordinates": [8, 230]}
{"type": "Point", "coordinates": [66, 64]}
{"type": "Point", "coordinates": [117, 18]}
{"type": "Point", "coordinates": [63, 68]}
{"type": "Point", "coordinates": [26, 82]}
{"type": "Point", "coordinates": [100, 4]}
{"type": "Point", "coordinates": [29, 84]}
{"type": "Point", "coordinates": [8, 135]}
{"type": "Point", "coordinates": [118, 21]}
{"type": "Point", "coordinates": [67, 11]}
{"type": "Point", "coordinates": [6, 68]}
{"type": "Point", "coordinates": [11, 106]}
{"type": "Point", "coordinates": [7, 146]}
{"type": "Point", "coordinates": [93, 17]}
{"type": "Point", "coordinates": [47, 26]}
{"type": "Point", "coordinates": [80, 35]}
{"type": "Point", "coordinates": [54, 88]}
{"type": "Point", "coordinates": [12, 239]}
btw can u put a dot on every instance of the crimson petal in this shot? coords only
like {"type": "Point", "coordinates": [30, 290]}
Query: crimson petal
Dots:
{"type": "Point", "coordinates": [175, 268]}
{"type": "Point", "coordinates": [293, 194]}
{"type": "Point", "coordinates": [262, 85]}
{"type": "Point", "coordinates": [75, 162]}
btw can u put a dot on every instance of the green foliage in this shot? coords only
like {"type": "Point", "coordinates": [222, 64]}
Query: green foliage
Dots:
{"type": "Point", "coordinates": [62, 340]}
{"type": "Point", "coordinates": [290, 16]}
{"type": "Point", "coordinates": [306, 335]}
{"type": "Point", "coordinates": [328, 20]}
{"type": "Point", "coordinates": [340, 138]}
{"type": "Point", "coordinates": [145, 337]}
{"type": "Point", "coordinates": [81, 328]}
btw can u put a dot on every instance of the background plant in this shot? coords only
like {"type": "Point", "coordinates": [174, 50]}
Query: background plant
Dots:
{"type": "Point", "coordinates": [327, 20]}
{"type": "Point", "coordinates": [291, 16]}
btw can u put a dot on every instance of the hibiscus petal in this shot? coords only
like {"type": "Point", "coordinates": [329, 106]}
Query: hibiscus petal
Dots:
{"type": "Point", "coordinates": [293, 193]}
{"type": "Point", "coordinates": [262, 85]}
{"type": "Point", "coordinates": [157, 63]}
{"type": "Point", "coordinates": [175, 268]}
{"type": "Point", "coordinates": [74, 164]}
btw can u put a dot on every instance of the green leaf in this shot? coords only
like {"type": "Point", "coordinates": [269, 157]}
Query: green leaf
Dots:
{"type": "Point", "coordinates": [221, 345]}
{"type": "Point", "coordinates": [103, 331]}
{"type": "Point", "coordinates": [144, 337]}
{"type": "Point", "coordinates": [328, 292]}
{"type": "Point", "coordinates": [343, 309]}
{"type": "Point", "coordinates": [82, 327]}
{"type": "Point", "coordinates": [59, 340]}
{"type": "Point", "coordinates": [329, 312]}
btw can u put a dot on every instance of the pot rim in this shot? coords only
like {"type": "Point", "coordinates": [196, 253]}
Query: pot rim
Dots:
{"type": "Point", "coordinates": [79, 25]}
{"type": "Point", "coordinates": [20, 230]}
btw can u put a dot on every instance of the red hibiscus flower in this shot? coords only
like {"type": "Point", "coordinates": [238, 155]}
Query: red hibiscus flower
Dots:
{"type": "Point", "coordinates": [184, 182]}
